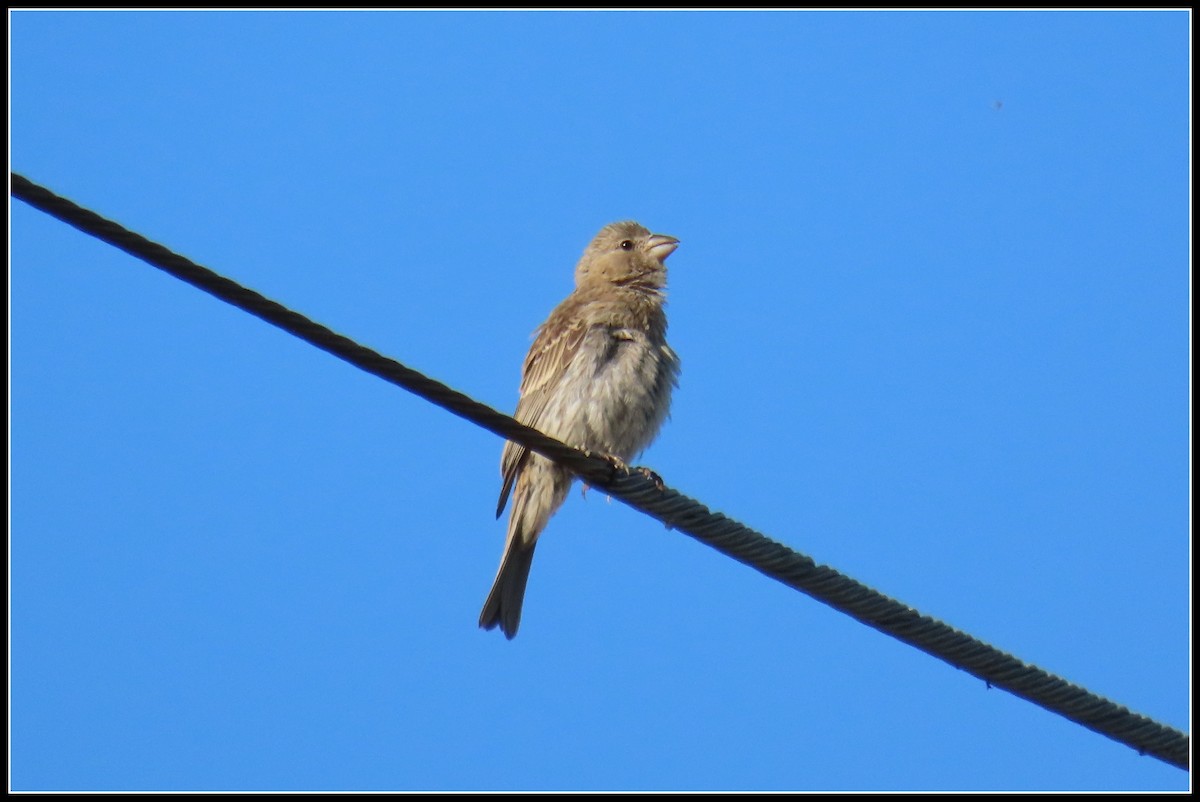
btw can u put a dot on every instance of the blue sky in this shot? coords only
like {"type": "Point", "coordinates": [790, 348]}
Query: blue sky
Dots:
{"type": "Point", "coordinates": [932, 302]}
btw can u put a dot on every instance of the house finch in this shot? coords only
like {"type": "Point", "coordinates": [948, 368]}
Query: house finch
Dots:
{"type": "Point", "coordinates": [598, 376]}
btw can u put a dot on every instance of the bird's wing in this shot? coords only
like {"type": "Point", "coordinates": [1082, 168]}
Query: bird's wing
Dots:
{"type": "Point", "coordinates": [555, 346]}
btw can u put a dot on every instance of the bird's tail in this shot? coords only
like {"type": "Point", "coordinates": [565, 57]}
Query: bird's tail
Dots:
{"type": "Point", "coordinates": [503, 605]}
{"type": "Point", "coordinates": [540, 490]}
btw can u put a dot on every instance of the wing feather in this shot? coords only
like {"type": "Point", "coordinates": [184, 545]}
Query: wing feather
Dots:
{"type": "Point", "coordinates": [554, 347]}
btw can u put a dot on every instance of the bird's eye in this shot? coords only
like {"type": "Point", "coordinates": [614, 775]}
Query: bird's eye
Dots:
{"type": "Point", "coordinates": [627, 245]}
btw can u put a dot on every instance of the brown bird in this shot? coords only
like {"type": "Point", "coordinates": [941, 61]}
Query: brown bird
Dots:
{"type": "Point", "coordinates": [598, 376]}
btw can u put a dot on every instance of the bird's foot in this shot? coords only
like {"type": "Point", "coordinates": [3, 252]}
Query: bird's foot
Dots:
{"type": "Point", "coordinates": [653, 477]}
{"type": "Point", "coordinates": [618, 464]}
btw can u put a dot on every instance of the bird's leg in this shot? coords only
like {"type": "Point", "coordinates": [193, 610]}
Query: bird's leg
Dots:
{"type": "Point", "coordinates": [615, 462]}
{"type": "Point", "coordinates": [619, 466]}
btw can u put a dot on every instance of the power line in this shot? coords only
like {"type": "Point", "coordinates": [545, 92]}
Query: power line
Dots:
{"type": "Point", "coordinates": [677, 511]}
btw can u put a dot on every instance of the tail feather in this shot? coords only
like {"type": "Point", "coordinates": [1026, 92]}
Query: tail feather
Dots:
{"type": "Point", "coordinates": [540, 488]}
{"type": "Point", "coordinates": [503, 606]}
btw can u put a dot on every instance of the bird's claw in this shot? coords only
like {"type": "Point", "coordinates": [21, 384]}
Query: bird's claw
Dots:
{"type": "Point", "coordinates": [653, 477]}
{"type": "Point", "coordinates": [619, 466]}
{"type": "Point", "coordinates": [617, 463]}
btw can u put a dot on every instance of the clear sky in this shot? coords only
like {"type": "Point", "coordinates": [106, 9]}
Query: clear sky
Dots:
{"type": "Point", "coordinates": [932, 303]}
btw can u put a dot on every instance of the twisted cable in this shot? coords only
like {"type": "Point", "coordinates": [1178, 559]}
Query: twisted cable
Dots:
{"type": "Point", "coordinates": [996, 668]}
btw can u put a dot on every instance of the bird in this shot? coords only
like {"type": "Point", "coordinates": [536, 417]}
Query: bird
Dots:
{"type": "Point", "coordinates": [599, 376]}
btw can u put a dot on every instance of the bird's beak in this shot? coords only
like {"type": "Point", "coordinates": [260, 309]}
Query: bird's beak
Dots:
{"type": "Point", "coordinates": [661, 246]}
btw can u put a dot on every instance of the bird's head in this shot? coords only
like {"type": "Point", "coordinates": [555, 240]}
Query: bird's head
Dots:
{"type": "Point", "coordinates": [626, 254]}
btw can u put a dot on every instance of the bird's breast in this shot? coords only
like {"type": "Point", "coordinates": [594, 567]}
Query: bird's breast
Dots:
{"type": "Point", "coordinates": [616, 392]}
